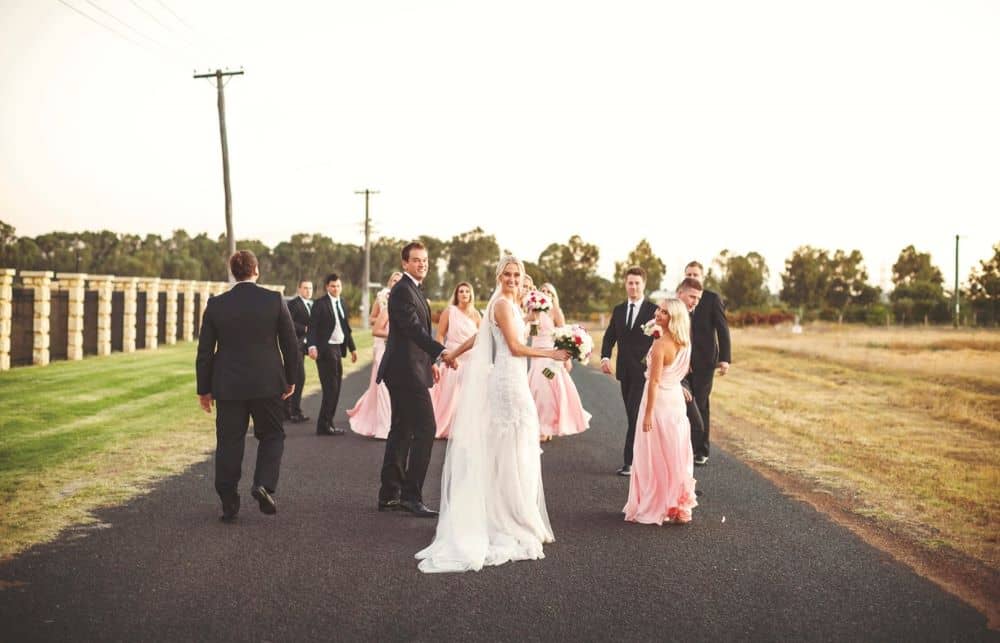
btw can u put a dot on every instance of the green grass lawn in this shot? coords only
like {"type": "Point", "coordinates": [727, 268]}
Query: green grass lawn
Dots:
{"type": "Point", "coordinates": [75, 436]}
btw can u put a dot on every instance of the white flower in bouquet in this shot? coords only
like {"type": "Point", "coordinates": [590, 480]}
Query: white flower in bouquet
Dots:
{"type": "Point", "coordinates": [382, 298]}
{"type": "Point", "coordinates": [652, 329]}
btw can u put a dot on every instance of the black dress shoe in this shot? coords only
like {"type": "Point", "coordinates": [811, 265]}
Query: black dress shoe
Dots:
{"type": "Point", "coordinates": [418, 509]}
{"type": "Point", "coordinates": [299, 419]}
{"type": "Point", "coordinates": [229, 509]}
{"type": "Point", "coordinates": [626, 470]}
{"type": "Point", "coordinates": [389, 505]}
{"type": "Point", "coordinates": [266, 501]}
{"type": "Point", "coordinates": [330, 430]}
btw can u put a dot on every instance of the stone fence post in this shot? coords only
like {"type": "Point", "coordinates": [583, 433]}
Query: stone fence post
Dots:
{"type": "Point", "coordinates": [41, 282]}
{"type": "Point", "coordinates": [6, 312]}
{"type": "Point", "coordinates": [105, 287]}
{"type": "Point", "coordinates": [171, 288]}
{"type": "Point", "coordinates": [128, 286]}
{"type": "Point", "coordinates": [75, 284]}
{"type": "Point", "coordinates": [151, 286]}
{"type": "Point", "coordinates": [189, 287]}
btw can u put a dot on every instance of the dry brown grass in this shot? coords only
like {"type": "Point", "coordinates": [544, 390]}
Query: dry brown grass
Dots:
{"type": "Point", "coordinates": [902, 424]}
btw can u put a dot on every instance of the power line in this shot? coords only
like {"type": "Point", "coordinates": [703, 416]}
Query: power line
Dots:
{"type": "Point", "coordinates": [111, 29]}
{"type": "Point", "coordinates": [160, 22]}
{"type": "Point", "coordinates": [123, 23]}
{"type": "Point", "coordinates": [174, 14]}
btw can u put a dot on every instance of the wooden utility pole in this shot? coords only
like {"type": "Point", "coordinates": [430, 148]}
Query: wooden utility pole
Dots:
{"type": "Point", "coordinates": [218, 75]}
{"type": "Point", "coordinates": [365, 292]}
{"type": "Point", "coordinates": [955, 294]}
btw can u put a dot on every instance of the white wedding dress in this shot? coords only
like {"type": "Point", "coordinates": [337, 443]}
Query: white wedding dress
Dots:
{"type": "Point", "coordinates": [492, 502]}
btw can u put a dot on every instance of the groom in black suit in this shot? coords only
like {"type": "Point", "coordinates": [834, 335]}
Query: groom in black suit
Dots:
{"type": "Point", "coordinates": [329, 339]}
{"type": "Point", "coordinates": [625, 330]}
{"type": "Point", "coordinates": [409, 369]}
{"type": "Point", "coordinates": [710, 349]}
{"type": "Point", "coordinates": [240, 368]}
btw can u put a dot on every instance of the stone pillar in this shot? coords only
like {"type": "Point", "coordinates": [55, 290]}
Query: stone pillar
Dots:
{"type": "Point", "coordinates": [189, 288]}
{"type": "Point", "coordinates": [219, 287]}
{"type": "Point", "coordinates": [6, 310]}
{"type": "Point", "coordinates": [41, 282]}
{"type": "Point", "coordinates": [151, 286]}
{"type": "Point", "coordinates": [171, 286]}
{"type": "Point", "coordinates": [76, 284]}
{"type": "Point", "coordinates": [128, 286]}
{"type": "Point", "coordinates": [205, 290]}
{"type": "Point", "coordinates": [280, 289]}
{"type": "Point", "coordinates": [105, 286]}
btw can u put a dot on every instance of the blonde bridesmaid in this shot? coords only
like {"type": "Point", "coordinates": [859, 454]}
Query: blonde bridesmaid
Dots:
{"type": "Point", "coordinates": [661, 488]}
{"type": "Point", "coordinates": [560, 411]}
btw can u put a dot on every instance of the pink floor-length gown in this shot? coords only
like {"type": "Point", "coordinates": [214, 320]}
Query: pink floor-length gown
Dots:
{"type": "Point", "coordinates": [560, 411]}
{"type": "Point", "coordinates": [662, 484]}
{"type": "Point", "coordinates": [372, 413]}
{"type": "Point", "coordinates": [444, 395]}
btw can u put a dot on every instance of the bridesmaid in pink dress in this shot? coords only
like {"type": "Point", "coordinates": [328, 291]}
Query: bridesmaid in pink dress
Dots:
{"type": "Point", "coordinates": [560, 411]}
{"type": "Point", "coordinates": [371, 414]}
{"type": "Point", "coordinates": [661, 488]}
{"type": "Point", "coordinates": [458, 322]}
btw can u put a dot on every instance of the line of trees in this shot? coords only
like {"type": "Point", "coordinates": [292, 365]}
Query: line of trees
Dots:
{"type": "Point", "coordinates": [816, 283]}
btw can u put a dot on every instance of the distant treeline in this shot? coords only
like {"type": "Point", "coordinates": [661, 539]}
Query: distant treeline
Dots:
{"type": "Point", "coordinates": [816, 283]}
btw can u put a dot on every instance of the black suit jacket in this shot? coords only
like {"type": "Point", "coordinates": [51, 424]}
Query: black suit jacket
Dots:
{"type": "Point", "coordinates": [245, 336]}
{"type": "Point", "coordinates": [709, 334]}
{"type": "Point", "coordinates": [411, 349]}
{"type": "Point", "coordinates": [300, 318]}
{"type": "Point", "coordinates": [321, 327]}
{"type": "Point", "coordinates": [633, 344]}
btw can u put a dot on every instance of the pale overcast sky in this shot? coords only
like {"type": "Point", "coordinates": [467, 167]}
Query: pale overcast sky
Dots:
{"type": "Point", "coordinates": [699, 125]}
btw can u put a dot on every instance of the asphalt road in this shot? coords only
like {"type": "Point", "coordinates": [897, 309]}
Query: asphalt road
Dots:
{"type": "Point", "coordinates": [753, 565]}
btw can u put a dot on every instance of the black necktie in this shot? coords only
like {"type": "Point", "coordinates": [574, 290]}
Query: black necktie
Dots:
{"type": "Point", "coordinates": [628, 320]}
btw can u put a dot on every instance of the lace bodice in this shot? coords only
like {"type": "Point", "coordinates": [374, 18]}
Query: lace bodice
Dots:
{"type": "Point", "coordinates": [508, 389]}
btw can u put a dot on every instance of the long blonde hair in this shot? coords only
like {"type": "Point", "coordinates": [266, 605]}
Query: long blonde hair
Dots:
{"type": "Point", "coordinates": [680, 321]}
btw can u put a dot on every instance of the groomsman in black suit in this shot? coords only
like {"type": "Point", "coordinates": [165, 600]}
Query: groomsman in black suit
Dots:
{"type": "Point", "coordinates": [625, 330]}
{"type": "Point", "coordinates": [710, 349]}
{"type": "Point", "coordinates": [240, 368]}
{"type": "Point", "coordinates": [300, 308]}
{"type": "Point", "coordinates": [329, 339]}
{"type": "Point", "coordinates": [689, 291]}
{"type": "Point", "coordinates": [409, 368]}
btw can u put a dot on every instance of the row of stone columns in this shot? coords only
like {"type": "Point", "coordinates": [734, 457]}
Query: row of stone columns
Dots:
{"type": "Point", "coordinates": [77, 285]}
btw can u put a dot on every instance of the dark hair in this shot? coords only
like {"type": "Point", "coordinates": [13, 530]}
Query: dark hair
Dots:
{"type": "Point", "coordinates": [636, 270]}
{"type": "Point", "coordinates": [413, 245]}
{"type": "Point", "coordinates": [242, 264]}
{"type": "Point", "coordinates": [693, 264]}
{"type": "Point", "coordinates": [331, 277]}
{"type": "Point", "coordinates": [304, 281]}
{"type": "Point", "coordinates": [690, 283]}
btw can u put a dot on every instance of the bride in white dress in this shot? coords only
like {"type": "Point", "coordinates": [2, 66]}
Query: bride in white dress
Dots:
{"type": "Point", "coordinates": [492, 502]}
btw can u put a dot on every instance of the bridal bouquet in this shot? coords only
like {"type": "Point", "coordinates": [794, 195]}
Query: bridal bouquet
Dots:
{"type": "Point", "coordinates": [652, 329]}
{"type": "Point", "coordinates": [382, 297]}
{"type": "Point", "coordinates": [574, 339]}
{"type": "Point", "coordinates": [536, 302]}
